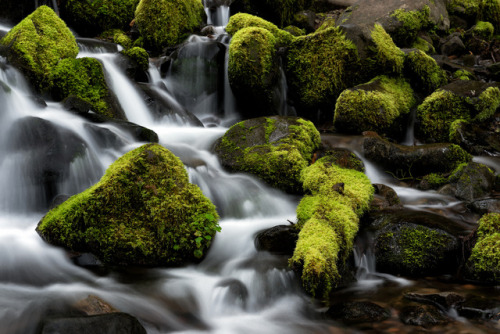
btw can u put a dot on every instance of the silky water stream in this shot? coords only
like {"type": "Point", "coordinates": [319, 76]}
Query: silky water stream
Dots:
{"type": "Point", "coordinates": [236, 289]}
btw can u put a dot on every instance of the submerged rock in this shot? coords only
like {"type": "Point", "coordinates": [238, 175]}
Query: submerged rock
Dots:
{"type": "Point", "coordinates": [112, 323]}
{"type": "Point", "coordinates": [443, 300]}
{"type": "Point", "coordinates": [143, 211]}
{"type": "Point", "coordinates": [357, 312]}
{"type": "Point", "coordinates": [423, 315]}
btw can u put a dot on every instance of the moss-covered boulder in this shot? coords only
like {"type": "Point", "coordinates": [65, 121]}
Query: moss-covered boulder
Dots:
{"type": "Point", "coordinates": [37, 44]}
{"type": "Point", "coordinates": [83, 78]}
{"type": "Point", "coordinates": [472, 181]}
{"type": "Point", "coordinates": [484, 263]}
{"type": "Point", "coordinates": [475, 10]}
{"type": "Point", "coordinates": [319, 67]}
{"type": "Point", "coordinates": [165, 22]}
{"type": "Point", "coordinates": [423, 72]}
{"type": "Point", "coordinates": [414, 161]}
{"type": "Point", "coordinates": [280, 12]}
{"type": "Point", "coordinates": [275, 149]}
{"type": "Point", "coordinates": [91, 17]}
{"type": "Point", "coordinates": [241, 20]}
{"type": "Point", "coordinates": [328, 218]}
{"type": "Point", "coordinates": [465, 100]}
{"type": "Point", "coordinates": [374, 106]}
{"type": "Point", "coordinates": [253, 71]}
{"type": "Point", "coordinates": [143, 211]}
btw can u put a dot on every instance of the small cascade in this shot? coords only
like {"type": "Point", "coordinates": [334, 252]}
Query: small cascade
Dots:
{"type": "Point", "coordinates": [409, 139]}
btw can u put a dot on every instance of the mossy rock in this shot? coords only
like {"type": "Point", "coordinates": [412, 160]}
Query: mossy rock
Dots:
{"type": "Point", "coordinates": [472, 181]}
{"type": "Point", "coordinates": [319, 67]}
{"type": "Point", "coordinates": [83, 78]}
{"type": "Point", "coordinates": [484, 263]}
{"type": "Point", "coordinates": [164, 23]}
{"type": "Point", "coordinates": [241, 20]}
{"type": "Point", "coordinates": [275, 149]}
{"type": "Point", "coordinates": [341, 157]}
{"type": "Point", "coordinates": [476, 10]}
{"type": "Point", "coordinates": [328, 217]}
{"type": "Point", "coordinates": [142, 212]}
{"type": "Point", "coordinates": [138, 56]}
{"type": "Point", "coordinates": [374, 106]}
{"type": "Point", "coordinates": [280, 12]}
{"type": "Point", "coordinates": [423, 72]}
{"type": "Point", "coordinates": [253, 70]}
{"type": "Point", "coordinates": [462, 99]}
{"type": "Point", "coordinates": [38, 43]}
{"type": "Point", "coordinates": [92, 17]}
{"type": "Point", "coordinates": [388, 57]}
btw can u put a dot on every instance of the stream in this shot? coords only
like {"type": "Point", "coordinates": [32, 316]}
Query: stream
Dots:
{"type": "Point", "coordinates": [235, 289]}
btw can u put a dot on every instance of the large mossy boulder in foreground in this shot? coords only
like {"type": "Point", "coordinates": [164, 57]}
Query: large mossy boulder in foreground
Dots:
{"type": "Point", "coordinates": [143, 212]}
{"type": "Point", "coordinates": [328, 219]}
{"type": "Point", "coordinates": [163, 23]}
{"type": "Point", "coordinates": [38, 43]}
{"type": "Point", "coordinates": [459, 101]}
{"type": "Point", "coordinates": [253, 70]}
{"type": "Point", "coordinates": [374, 106]}
{"type": "Point", "coordinates": [484, 263]}
{"type": "Point", "coordinates": [275, 149]}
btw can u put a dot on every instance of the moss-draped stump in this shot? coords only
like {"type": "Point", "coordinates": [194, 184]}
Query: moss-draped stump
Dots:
{"type": "Point", "coordinates": [143, 211]}
{"type": "Point", "coordinates": [328, 219]}
{"type": "Point", "coordinates": [275, 149]}
{"type": "Point", "coordinates": [38, 43]}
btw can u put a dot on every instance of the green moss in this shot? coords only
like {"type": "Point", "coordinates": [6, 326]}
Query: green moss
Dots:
{"type": "Point", "coordinates": [328, 219]}
{"type": "Point", "coordinates": [424, 72]}
{"type": "Point", "coordinates": [139, 56]}
{"type": "Point", "coordinates": [242, 20]}
{"type": "Point", "coordinates": [484, 261]}
{"type": "Point", "coordinates": [457, 156]}
{"type": "Point", "coordinates": [423, 45]}
{"type": "Point", "coordinates": [143, 211]}
{"type": "Point", "coordinates": [276, 152]}
{"type": "Point", "coordinates": [164, 22]}
{"type": "Point", "coordinates": [488, 103]}
{"type": "Point", "coordinates": [490, 12]}
{"type": "Point", "coordinates": [84, 78]}
{"type": "Point", "coordinates": [329, 22]}
{"type": "Point", "coordinates": [295, 31]}
{"type": "Point", "coordinates": [455, 130]}
{"type": "Point", "coordinates": [476, 10]}
{"type": "Point", "coordinates": [320, 66]}
{"type": "Point", "coordinates": [373, 106]}
{"type": "Point", "coordinates": [484, 30]}
{"type": "Point", "coordinates": [117, 36]}
{"type": "Point", "coordinates": [387, 53]}
{"type": "Point", "coordinates": [251, 62]}
{"type": "Point", "coordinates": [434, 181]}
{"type": "Point", "coordinates": [91, 17]}
{"type": "Point", "coordinates": [37, 44]}
{"type": "Point", "coordinates": [412, 22]}
{"type": "Point", "coordinates": [463, 75]}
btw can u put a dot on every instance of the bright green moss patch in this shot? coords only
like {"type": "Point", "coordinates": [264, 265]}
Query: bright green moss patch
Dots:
{"type": "Point", "coordinates": [320, 66]}
{"type": "Point", "coordinates": [163, 23]}
{"type": "Point", "coordinates": [139, 56]}
{"type": "Point", "coordinates": [143, 211]}
{"type": "Point", "coordinates": [484, 30]}
{"type": "Point", "coordinates": [37, 44]}
{"type": "Point", "coordinates": [388, 54]}
{"type": "Point", "coordinates": [328, 219]}
{"type": "Point", "coordinates": [424, 72]}
{"type": "Point", "coordinates": [433, 181]}
{"type": "Point", "coordinates": [373, 106]}
{"type": "Point", "coordinates": [423, 45]}
{"type": "Point", "coordinates": [275, 149]}
{"type": "Point", "coordinates": [412, 22]}
{"type": "Point", "coordinates": [488, 103]}
{"type": "Point", "coordinates": [463, 75]}
{"type": "Point", "coordinates": [84, 78]}
{"type": "Point", "coordinates": [484, 262]}
{"type": "Point", "coordinates": [117, 36]}
{"type": "Point", "coordinates": [241, 20]}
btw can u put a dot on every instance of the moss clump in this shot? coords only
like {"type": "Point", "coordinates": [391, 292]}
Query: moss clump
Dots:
{"type": "Point", "coordinates": [484, 262]}
{"type": "Point", "coordinates": [433, 181]}
{"type": "Point", "coordinates": [373, 106]}
{"type": "Point", "coordinates": [139, 56]}
{"type": "Point", "coordinates": [143, 211]}
{"type": "Point", "coordinates": [117, 36]}
{"type": "Point", "coordinates": [388, 55]}
{"type": "Point", "coordinates": [320, 66]}
{"type": "Point", "coordinates": [484, 30]}
{"type": "Point", "coordinates": [241, 20]}
{"type": "Point", "coordinates": [412, 22]}
{"type": "Point", "coordinates": [37, 44]}
{"type": "Point", "coordinates": [423, 71]}
{"type": "Point", "coordinates": [91, 17]}
{"type": "Point", "coordinates": [164, 22]}
{"type": "Point", "coordinates": [456, 129]}
{"type": "Point", "coordinates": [488, 103]}
{"type": "Point", "coordinates": [275, 149]}
{"type": "Point", "coordinates": [463, 75]}
{"type": "Point", "coordinates": [252, 65]}
{"type": "Point", "coordinates": [328, 219]}
{"type": "Point", "coordinates": [423, 45]}
{"type": "Point", "coordinates": [84, 78]}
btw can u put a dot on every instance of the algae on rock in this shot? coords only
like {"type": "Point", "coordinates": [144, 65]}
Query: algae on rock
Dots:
{"type": "Point", "coordinates": [143, 211]}
{"type": "Point", "coordinates": [38, 43]}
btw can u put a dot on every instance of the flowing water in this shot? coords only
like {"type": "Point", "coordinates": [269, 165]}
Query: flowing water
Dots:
{"type": "Point", "coordinates": [236, 289]}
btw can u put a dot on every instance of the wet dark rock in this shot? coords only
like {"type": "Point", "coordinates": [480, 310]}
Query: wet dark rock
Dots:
{"type": "Point", "coordinates": [452, 45]}
{"type": "Point", "coordinates": [341, 157]}
{"type": "Point", "coordinates": [487, 205]}
{"type": "Point", "coordinates": [113, 323]}
{"type": "Point", "coordinates": [385, 197]}
{"type": "Point", "coordinates": [76, 105]}
{"type": "Point", "coordinates": [93, 305]}
{"type": "Point", "coordinates": [279, 239]}
{"type": "Point", "coordinates": [472, 181]}
{"type": "Point", "coordinates": [104, 137]}
{"type": "Point", "coordinates": [423, 315]}
{"type": "Point", "coordinates": [357, 312]}
{"type": "Point", "coordinates": [413, 161]}
{"type": "Point", "coordinates": [236, 293]}
{"type": "Point", "coordinates": [480, 138]}
{"type": "Point", "coordinates": [443, 300]}
{"type": "Point", "coordinates": [208, 30]}
{"type": "Point", "coordinates": [477, 307]}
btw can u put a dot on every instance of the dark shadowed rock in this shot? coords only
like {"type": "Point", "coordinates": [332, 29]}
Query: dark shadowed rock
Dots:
{"type": "Point", "coordinates": [113, 323]}
{"type": "Point", "coordinates": [357, 312]}
{"type": "Point", "coordinates": [384, 197]}
{"type": "Point", "coordinates": [472, 181]}
{"type": "Point", "coordinates": [486, 205]}
{"type": "Point", "coordinates": [423, 315]}
{"type": "Point", "coordinates": [443, 300]}
{"type": "Point", "coordinates": [279, 239]}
